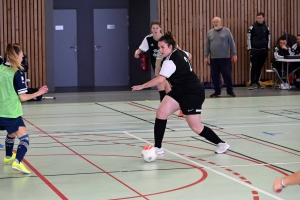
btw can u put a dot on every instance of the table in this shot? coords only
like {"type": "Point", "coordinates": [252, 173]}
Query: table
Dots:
{"type": "Point", "coordinates": [287, 67]}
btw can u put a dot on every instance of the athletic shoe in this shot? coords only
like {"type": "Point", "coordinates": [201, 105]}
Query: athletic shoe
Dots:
{"type": "Point", "coordinates": [222, 147]}
{"type": "Point", "coordinates": [9, 160]}
{"type": "Point", "coordinates": [251, 87]}
{"type": "Point", "coordinates": [215, 95]}
{"type": "Point", "coordinates": [260, 87]}
{"type": "Point", "coordinates": [231, 93]}
{"type": "Point", "coordinates": [20, 167]}
{"type": "Point", "coordinates": [287, 86]}
{"type": "Point", "coordinates": [283, 86]}
{"type": "Point", "coordinates": [159, 151]}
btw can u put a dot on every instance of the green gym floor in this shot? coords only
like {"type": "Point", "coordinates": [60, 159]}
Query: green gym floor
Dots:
{"type": "Point", "coordinates": [87, 145]}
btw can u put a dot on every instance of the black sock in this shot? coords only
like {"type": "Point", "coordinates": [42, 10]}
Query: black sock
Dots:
{"type": "Point", "coordinates": [159, 131]}
{"type": "Point", "coordinates": [9, 145]}
{"type": "Point", "coordinates": [210, 135]}
{"type": "Point", "coordinates": [162, 94]}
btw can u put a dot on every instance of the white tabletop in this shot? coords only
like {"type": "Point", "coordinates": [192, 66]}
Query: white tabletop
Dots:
{"type": "Point", "coordinates": [288, 60]}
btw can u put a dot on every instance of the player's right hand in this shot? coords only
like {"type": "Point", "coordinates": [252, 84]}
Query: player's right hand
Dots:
{"type": "Point", "coordinates": [44, 89]}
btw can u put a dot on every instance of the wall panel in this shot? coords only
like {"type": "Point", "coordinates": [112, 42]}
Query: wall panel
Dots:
{"type": "Point", "coordinates": [23, 22]}
{"type": "Point", "coordinates": [189, 20]}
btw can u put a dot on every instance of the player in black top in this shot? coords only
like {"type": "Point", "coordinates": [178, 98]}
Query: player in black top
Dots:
{"type": "Point", "coordinates": [150, 44]}
{"type": "Point", "coordinates": [187, 94]}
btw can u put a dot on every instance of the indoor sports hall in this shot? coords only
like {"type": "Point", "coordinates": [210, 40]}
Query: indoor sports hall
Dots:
{"type": "Point", "coordinates": [88, 146]}
{"type": "Point", "coordinates": [85, 137]}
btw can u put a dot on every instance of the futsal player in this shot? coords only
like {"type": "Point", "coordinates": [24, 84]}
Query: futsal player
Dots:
{"type": "Point", "coordinates": [187, 93]}
{"type": "Point", "coordinates": [12, 91]}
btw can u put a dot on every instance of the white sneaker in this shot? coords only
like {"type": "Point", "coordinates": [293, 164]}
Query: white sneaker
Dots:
{"type": "Point", "coordinates": [222, 147]}
{"type": "Point", "coordinates": [287, 86]}
{"type": "Point", "coordinates": [159, 151]}
{"type": "Point", "coordinates": [283, 86]}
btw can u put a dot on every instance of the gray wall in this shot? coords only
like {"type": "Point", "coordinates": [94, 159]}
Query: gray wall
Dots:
{"type": "Point", "coordinates": [141, 12]}
{"type": "Point", "coordinates": [49, 45]}
{"type": "Point", "coordinates": [85, 35]}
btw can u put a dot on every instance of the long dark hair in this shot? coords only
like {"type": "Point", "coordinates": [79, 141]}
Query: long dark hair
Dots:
{"type": "Point", "coordinates": [168, 39]}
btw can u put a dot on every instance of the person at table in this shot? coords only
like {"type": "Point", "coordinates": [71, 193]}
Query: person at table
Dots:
{"type": "Point", "coordinates": [281, 50]}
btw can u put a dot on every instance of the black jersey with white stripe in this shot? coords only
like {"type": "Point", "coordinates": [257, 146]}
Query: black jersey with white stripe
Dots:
{"type": "Point", "coordinates": [178, 71]}
{"type": "Point", "coordinates": [149, 43]}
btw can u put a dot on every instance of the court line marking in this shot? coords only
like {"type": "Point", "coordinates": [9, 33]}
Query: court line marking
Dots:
{"type": "Point", "coordinates": [208, 168]}
{"type": "Point", "coordinates": [237, 126]}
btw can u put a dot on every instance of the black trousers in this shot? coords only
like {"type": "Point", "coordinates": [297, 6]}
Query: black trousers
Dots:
{"type": "Point", "coordinates": [257, 60]}
{"type": "Point", "coordinates": [221, 66]}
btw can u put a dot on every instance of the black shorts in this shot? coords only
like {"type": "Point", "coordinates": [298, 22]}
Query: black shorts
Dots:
{"type": "Point", "coordinates": [190, 104]}
{"type": "Point", "coordinates": [11, 125]}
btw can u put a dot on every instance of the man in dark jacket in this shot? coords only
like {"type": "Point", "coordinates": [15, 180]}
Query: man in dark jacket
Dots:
{"type": "Point", "coordinates": [258, 46]}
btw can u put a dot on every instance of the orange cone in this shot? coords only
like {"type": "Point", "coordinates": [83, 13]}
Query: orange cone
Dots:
{"type": "Point", "coordinates": [180, 114]}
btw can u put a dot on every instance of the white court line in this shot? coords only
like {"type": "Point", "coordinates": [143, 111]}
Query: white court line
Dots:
{"type": "Point", "coordinates": [209, 169]}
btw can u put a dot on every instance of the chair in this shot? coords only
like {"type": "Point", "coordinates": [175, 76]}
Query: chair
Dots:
{"type": "Point", "coordinates": [278, 79]}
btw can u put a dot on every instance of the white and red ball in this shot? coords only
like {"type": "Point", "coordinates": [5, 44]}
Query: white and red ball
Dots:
{"type": "Point", "coordinates": [148, 153]}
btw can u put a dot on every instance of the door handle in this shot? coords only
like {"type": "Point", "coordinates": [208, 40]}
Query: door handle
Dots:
{"type": "Point", "coordinates": [73, 47]}
{"type": "Point", "coordinates": [97, 46]}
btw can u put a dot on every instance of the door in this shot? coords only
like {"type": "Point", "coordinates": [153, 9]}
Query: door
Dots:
{"type": "Point", "coordinates": [111, 47]}
{"type": "Point", "coordinates": [65, 48]}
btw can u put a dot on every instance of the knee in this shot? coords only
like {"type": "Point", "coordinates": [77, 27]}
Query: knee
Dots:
{"type": "Point", "coordinates": [197, 129]}
{"type": "Point", "coordinates": [160, 114]}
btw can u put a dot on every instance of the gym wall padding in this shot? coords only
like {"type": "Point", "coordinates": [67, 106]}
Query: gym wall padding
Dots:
{"type": "Point", "coordinates": [24, 22]}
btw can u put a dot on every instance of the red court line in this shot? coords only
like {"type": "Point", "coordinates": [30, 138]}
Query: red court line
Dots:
{"type": "Point", "coordinates": [140, 195]}
{"type": "Point", "coordinates": [43, 178]}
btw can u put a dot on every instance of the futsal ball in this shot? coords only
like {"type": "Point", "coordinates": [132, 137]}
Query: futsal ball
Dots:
{"type": "Point", "coordinates": [149, 153]}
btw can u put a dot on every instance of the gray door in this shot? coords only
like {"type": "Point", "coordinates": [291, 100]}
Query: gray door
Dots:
{"type": "Point", "coordinates": [111, 47]}
{"type": "Point", "coordinates": [65, 48]}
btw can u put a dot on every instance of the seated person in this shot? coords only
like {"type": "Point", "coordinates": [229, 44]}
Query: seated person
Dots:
{"type": "Point", "coordinates": [281, 50]}
{"type": "Point", "coordinates": [296, 51]}
{"type": "Point", "coordinates": [296, 47]}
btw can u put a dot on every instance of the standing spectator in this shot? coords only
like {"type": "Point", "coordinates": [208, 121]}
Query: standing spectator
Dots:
{"type": "Point", "coordinates": [258, 46]}
{"type": "Point", "coordinates": [219, 42]}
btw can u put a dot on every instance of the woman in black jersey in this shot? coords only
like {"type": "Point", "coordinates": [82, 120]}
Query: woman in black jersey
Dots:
{"type": "Point", "coordinates": [150, 44]}
{"type": "Point", "coordinates": [187, 94]}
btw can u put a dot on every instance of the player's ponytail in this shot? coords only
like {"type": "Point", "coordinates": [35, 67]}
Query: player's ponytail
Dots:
{"type": "Point", "coordinates": [168, 39]}
{"type": "Point", "coordinates": [12, 53]}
